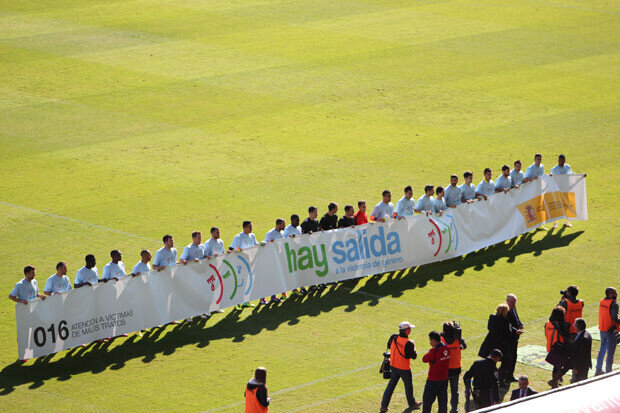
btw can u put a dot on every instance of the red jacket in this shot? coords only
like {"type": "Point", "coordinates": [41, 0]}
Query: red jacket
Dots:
{"type": "Point", "coordinates": [439, 360]}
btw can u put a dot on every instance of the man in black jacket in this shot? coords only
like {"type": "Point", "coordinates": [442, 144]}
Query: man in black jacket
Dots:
{"type": "Point", "coordinates": [581, 352]}
{"type": "Point", "coordinates": [516, 329]}
{"type": "Point", "coordinates": [483, 372]}
{"type": "Point", "coordinates": [402, 351]}
{"type": "Point", "coordinates": [523, 390]}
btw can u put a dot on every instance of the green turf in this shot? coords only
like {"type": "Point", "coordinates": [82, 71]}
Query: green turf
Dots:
{"type": "Point", "coordinates": [159, 116]}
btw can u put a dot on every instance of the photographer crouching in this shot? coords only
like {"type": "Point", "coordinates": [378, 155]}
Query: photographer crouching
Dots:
{"type": "Point", "coordinates": [402, 350]}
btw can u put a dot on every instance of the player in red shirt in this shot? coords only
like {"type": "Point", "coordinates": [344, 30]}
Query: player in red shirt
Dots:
{"type": "Point", "coordinates": [360, 216]}
{"type": "Point", "coordinates": [438, 358]}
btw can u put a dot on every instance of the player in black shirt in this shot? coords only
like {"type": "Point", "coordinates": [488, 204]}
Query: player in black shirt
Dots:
{"type": "Point", "coordinates": [330, 219]}
{"type": "Point", "coordinates": [311, 224]}
{"type": "Point", "coordinates": [347, 220]}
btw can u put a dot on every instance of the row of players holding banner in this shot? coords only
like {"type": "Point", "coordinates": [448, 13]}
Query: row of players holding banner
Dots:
{"type": "Point", "coordinates": [450, 197]}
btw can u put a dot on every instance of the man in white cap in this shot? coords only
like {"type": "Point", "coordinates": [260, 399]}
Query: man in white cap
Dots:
{"type": "Point", "coordinates": [402, 350]}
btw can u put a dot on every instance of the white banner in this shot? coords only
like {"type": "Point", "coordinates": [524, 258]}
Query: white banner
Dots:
{"type": "Point", "coordinates": [106, 310]}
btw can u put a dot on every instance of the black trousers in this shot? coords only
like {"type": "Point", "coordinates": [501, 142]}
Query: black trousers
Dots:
{"type": "Point", "coordinates": [454, 392]}
{"type": "Point", "coordinates": [510, 368]}
{"type": "Point", "coordinates": [581, 375]}
{"type": "Point", "coordinates": [397, 374]}
{"type": "Point", "coordinates": [435, 390]}
{"type": "Point", "coordinates": [484, 397]}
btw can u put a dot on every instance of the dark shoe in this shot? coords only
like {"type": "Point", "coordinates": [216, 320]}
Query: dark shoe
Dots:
{"type": "Point", "coordinates": [383, 410]}
{"type": "Point", "coordinates": [513, 379]}
{"type": "Point", "coordinates": [416, 406]}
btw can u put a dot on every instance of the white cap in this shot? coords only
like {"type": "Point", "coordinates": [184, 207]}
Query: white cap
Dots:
{"type": "Point", "coordinates": [405, 325]}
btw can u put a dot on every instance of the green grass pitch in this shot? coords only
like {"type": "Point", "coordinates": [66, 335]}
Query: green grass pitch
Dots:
{"type": "Point", "coordinates": [121, 121]}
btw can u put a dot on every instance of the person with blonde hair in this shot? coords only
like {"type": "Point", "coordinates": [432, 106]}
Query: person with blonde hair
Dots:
{"type": "Point", "coordinates": [498, 337]}
{"type": "Point", "coordinates": [256, 395]}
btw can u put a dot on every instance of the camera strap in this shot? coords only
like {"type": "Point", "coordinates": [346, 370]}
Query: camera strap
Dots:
{"type": "Point", "coordinates": [395, 338]}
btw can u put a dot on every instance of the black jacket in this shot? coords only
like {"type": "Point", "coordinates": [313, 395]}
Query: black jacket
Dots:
{"type": "Point", "coordinates": [515, 322]}
{"type": "Point", "coordinates": [517, 392]}
{"type": "Point", "coordinates": [498, 336]}
{"type": "Point", "coordinates": [581, 352]}
{"type": "Point", "coordinates": [483, 373]}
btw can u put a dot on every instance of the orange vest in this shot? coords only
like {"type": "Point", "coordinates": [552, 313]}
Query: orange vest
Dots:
{"type": "Point", "coordinates": [252, 405]}
{"type": "Point", "coordinates": [552, 338]}
{"type": "Point", "coordinates": [455, 353]}
{"type": "Point", "coordinates": [573, 312]}
{"type": "Point", "coordinates": [604, 316]}
{"type": "Point", "coordinates": [397, 351]}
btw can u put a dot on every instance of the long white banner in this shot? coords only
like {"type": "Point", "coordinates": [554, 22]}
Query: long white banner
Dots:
{"type": "Point", "coordinates": [86, 314]}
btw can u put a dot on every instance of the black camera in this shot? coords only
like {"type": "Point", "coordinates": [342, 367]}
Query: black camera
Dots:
{"type": "Point", "coordinates": [616, 335]}
{"type": "Point", "coordinates": [385, 366]}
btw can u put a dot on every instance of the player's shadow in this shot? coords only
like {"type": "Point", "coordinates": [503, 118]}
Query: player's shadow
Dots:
{"type": "Point", "coordinates": [97, 357]}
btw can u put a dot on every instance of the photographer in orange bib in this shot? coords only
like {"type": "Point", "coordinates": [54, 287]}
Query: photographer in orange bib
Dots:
{"type": "Point", "coordinates": [402, 351]}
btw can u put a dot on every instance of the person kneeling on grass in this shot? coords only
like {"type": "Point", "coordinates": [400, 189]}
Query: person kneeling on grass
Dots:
{"type": "Point", "coordinates": [256, 395]}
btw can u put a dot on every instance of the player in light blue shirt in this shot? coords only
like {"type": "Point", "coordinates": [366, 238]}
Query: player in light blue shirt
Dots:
{"type": "Point", "coordinates": [293, 229]}
{"type": "Point", "coordinates": [534, 170]}
{"type": "Point", "coordinates": [439, 205]}
{"type": "Point", "coordinates": [468, 190]}
{"type": "Point", "coordinates": [406, 205]}
{"type": "Point", "coordinates": [115, 269]}
{"type": "Point", "coordinates": [272, 235]}
{"type": "Point", "coordinates": [58, 283]}
{"type": "Point", "coordinates": [214, 246]}
{"type": "Point", "coordinates": [516, 175]}
{"type": "Point", "coordinates": [88, 274]}
{"type": "Point", "coordinates": [277, 232]}
{"type": "Point", "coordinates": [503, 182]}
{"type": "Point", "coordinates": [243, 240]}
{"type": "Point", "coordinates": [384, 209]}
{"type": "Point", "coordinates": [194, 251]}
{"type": "Point", "coordinates": [142, 267]}
{"type": "Point", "coordinates": [562, 168]}
{"type": "Point", "coordinates": [425, 202]}
{"type": "Point", "coordinates": [453, 193]}
{"type": "Point", "coordinates": [166, 256]}
{"type": "Point", "coordinates": [27, 289]}
{"type": "Point", "coordinates": [486, 187]}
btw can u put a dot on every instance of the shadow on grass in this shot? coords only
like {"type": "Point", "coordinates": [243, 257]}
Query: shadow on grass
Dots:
{"type": "Point", "coordinates": [97, 357]}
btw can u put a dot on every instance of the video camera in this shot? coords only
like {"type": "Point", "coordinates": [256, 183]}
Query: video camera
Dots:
{"type": "Point", "coordinates": [458, 332]}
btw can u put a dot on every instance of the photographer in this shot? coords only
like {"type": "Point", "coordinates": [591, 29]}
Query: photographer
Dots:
{"type": "Point", "coordinates": [573, 307]}
{"type": "Point", "coordinates": [452, 338]}
{"type": "Point", "coordinates": [402, 350]}
{"type": "Point", "coordinates": [557, 332]}
{"type": "Point", "coordinates": [609, 326]}
{"type": "Point", "coordinates": [256, 397]}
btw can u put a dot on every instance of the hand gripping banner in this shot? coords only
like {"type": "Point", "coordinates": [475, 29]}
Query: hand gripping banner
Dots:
{"type": "Point", "coordinates": [106, 310]}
